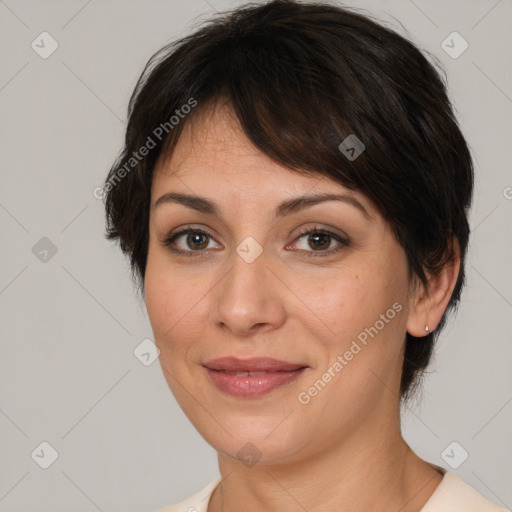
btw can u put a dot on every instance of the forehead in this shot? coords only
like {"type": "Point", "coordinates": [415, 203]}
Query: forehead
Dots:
{"type": "Point", "coordinates": [213, 150]}
{"type": "Point", "coordinates": [213, 156]}
{"type": "Point", "coordinates": [214, 140]}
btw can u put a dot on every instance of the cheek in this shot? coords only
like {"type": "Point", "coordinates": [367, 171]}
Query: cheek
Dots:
{"type": "Point", "coordinates": [174, 300]}
{"type": "Point", "coordinates": [344, 300]}
{"type": "Point", "coordinates": [364, 312]}
{"type": "Point", "coordinates": [162, 298]}
{"type": "Point", "coordinates": [361, 352]}
{"type": "Point", "coordinates": [158, 302]}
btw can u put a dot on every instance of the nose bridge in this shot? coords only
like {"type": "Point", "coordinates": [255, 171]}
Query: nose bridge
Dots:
{"type": "Point", "coordinates": [247, 296]}
{"type": "Point", "coordinates": [249, 265]}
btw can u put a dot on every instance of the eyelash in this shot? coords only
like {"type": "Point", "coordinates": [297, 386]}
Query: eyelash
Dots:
{"type": "Point", "coordinates": [310, 254]}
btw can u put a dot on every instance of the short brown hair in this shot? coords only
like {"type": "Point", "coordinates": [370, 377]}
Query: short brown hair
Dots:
{"type": "Point", "coordinates": [301, 77]}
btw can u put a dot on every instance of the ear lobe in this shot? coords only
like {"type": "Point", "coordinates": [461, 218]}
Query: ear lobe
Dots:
{"type": "Point", "coordinates": [430, 302]}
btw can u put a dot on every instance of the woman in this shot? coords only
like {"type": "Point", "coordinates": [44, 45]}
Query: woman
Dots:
{"type": "Point", "coordinates": [293, 196]}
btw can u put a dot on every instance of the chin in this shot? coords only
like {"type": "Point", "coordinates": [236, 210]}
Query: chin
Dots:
{"type": "Point", "coordinates": [256, 439]}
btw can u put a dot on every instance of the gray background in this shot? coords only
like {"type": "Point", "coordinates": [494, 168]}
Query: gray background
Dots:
{"type": "Point", "coordinates": [70, 324]}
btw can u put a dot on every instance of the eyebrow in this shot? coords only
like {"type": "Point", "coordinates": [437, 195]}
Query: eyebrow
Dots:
{"type": "Point", "coordinates": [204, 205]}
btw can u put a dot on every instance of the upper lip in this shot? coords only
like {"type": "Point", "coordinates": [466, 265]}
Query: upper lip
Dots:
{"type": "Point", "coordinates": [254, 364]}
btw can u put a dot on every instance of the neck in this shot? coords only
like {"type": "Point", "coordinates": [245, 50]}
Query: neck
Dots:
{"type": "Point", "coordinates": [372, 469]}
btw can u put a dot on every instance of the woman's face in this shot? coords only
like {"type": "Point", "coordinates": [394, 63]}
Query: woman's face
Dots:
{"type": "Point", "coordinates": [332, 304]}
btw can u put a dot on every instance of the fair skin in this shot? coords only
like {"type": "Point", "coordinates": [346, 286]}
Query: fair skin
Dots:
{"type": "Point", "coordinates": [321, 455]}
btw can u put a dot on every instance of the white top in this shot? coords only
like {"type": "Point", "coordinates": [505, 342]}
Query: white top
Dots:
{"type": "Point", "coordinates": [451, 495]}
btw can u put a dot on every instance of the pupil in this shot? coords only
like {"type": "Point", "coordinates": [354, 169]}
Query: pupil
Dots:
{"type": "Point", "coordinates": [193, 239]}
{"type": "Point", "coordinates": [320, 236]}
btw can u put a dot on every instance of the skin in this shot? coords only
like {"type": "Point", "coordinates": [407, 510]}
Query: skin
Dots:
{"type": "Point", "coordinates": [321, 455]}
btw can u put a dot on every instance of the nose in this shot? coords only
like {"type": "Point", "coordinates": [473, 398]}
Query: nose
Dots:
{"type": "Point", "coordinates": [251, 298]}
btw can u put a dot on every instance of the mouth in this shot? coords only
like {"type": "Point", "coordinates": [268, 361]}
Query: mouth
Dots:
{"type": "Point", "coordinates": [241, 374]}
{"type": "Point", "coordinates": [251, 378]}
{"type": "Point", "coordinates": [252, 365]}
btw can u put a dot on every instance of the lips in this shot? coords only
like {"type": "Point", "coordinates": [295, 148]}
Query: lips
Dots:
{"type": "Point", "coordinates": [251, 378]}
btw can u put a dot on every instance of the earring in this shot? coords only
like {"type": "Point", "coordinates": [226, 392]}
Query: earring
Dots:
{"type": "Point", "coordinates": [427, 330]}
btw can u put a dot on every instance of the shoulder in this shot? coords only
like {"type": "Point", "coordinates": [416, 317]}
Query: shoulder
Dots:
{"type": "Point", "coordinates": [455, 495]}
{"type": "Point", "coordinates": [195, 503]}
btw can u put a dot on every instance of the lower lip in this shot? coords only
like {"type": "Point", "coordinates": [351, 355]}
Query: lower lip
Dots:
{"type": "Point", "coordinates": [252, 386]}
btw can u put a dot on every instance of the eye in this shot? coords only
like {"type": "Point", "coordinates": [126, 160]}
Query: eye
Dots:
{"type": "Point", "coordinates": [317, 242]}
{"type": "Point", "coordinates": [196, 241]}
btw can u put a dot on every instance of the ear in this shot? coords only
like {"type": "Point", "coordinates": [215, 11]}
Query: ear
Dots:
{"type": "Point", "coordinates": [428, 303]}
